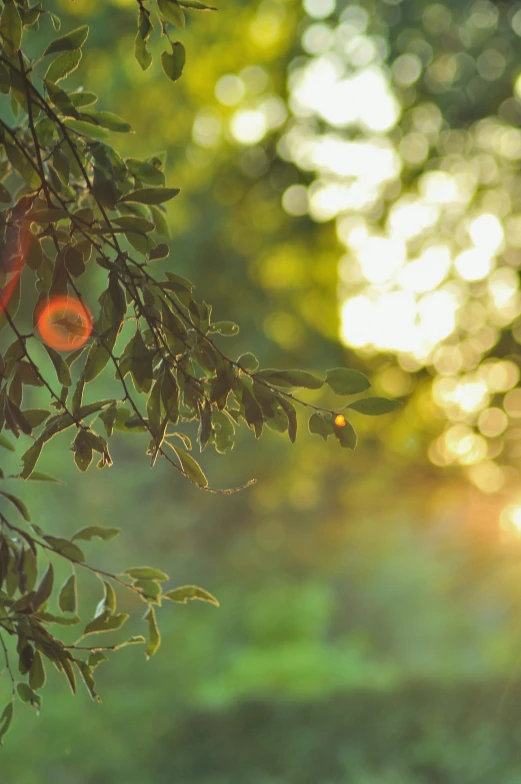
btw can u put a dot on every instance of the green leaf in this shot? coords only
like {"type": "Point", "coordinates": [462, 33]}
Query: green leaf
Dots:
{"type": "Point", "coordinates": [248, 361]}
{"type": "Point", "coordinates": [26, 694]}
{"type": "Point", "coordinates": [191, 467]}
{"type": "Point", "coordinates": [174, 63]}
{"type": "Point", "coordinates": [39, 476]}
{"type": "Point", "coordinates": [44, 589]}
{"type": "Point", "coordinates": [107, 605]}
{"type": "Point", "coordinates": [59, 620]}
{"type": "Point", "coordinates": [172, 12]}
{"type": "Point", "coordinates": [374, 406]}
{"type": "Point", "coordinates": [154, 408]}
{"type": "Point", "coordinates": [20, 164]}
{"type": "Point", "coordinates": [99, 354]}
{"type": "Point", "coordinates": [108, 418]}
{"type": "Point", "coordinates": [5, 720]}
{"type": "Point", "coordinates": [37, 672]}
{"type": "Point", "coordinates": [10, 28]}
{"type": "Point", "coordinates": [88, 679]}
{"type": "Point", "coordinates": [161, 251]}
{"type": "Point", "coordinates": [65, 63]}
{"type": "Point", "coordinates": [186, 592]}
{"type": "Point", "coordinates": [226, 328]}
{"type": "Point", "coordinates": [141, 52]}
{"type": "Point", "coordinates": [82, 98]}
{"type": "Point", "coordinates": [346, 435]}
{"type": "Point", "coordinates": [30, 458]}
{"type": "Point", "coordinates": [35, 416]}
{"type": "Point", "coordinates": [150, 590]}
{"type": "Point", "coordinates": [108, 120]}
{"type": "Point", "coordinates": [346, 381]}
{"type": "Point", "coordinates": [134, 223]}
{"type": "Point", "coordinates": [150, 195]}
{"type": "Point", "coordinates": [91, 531]}
{"type": "Point", "coordinates": [74, 262]}
{"type": "Point", "coordinates": [82, 451]}
{"type": "Point", "coordinates": [145, 171]}
{"type": "Point", "coordinates": [146, 573]}
{"type": "Point", "coordinates": [289, 378]}
{"type": "Point", "coordinates": [289, 408]}
{"type": "Point", "coordinates": [4, 441]}
{"type": "Point", "coordinates": [196, 6]}
{"type": "Point", "coordinates": [19, 505]}
{"type": "Point", "coordinates": [62, 369]}
{"type": "Point", "coordinates": [154, 635]}
{"type": "Point", "coordinates": [97, 657]}
{"type": "Point", "coordinates": [105, 623]}
{"type": "Point", "coordinates": [321, 425]}
{"type": "Point", "coordinates": [83, 128]}
{"type": "Point", "coordinates": [65, 547]}
{"type": "Point", "coordinates": [66, 43]}
{"type": "Point", "coordinates": [68, 596]}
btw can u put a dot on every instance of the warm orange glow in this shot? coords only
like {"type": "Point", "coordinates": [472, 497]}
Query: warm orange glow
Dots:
{"type": "Point", "coordinates": [13, 271]}
{"type": "Point", "coordinates": [65, 323]}
{"type": "Point", "coordinates": [340, 420]}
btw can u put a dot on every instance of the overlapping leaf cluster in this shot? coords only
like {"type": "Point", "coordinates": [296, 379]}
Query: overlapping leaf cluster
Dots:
{"type": "Point", "coordinates": [71, 202]}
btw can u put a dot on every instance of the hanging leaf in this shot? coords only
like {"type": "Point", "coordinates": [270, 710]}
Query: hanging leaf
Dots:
{"type": "Point", "coordinates": [150, 195]}
{"type": "Point", "coordinates": [4, 441]}
{"type": "Point", "coordinates": [226, 328]}
{"type": "Point", "coordinates": [154, 636]}
{"type": "Point", "coordinates": [374, 406]}
{"type": "Point", "coordinates": [62, 369]}
{"type": "Point", "coordinates": [66, 43]}
{"type": "Point", "coordinates": [83, 128]}
{"type": "Point", "coordinates": [91, 531]}
{"type": "Point", "coordinates": [68, 596]}
{"type": "Point", "coordinates": [321, 425]}
{"type": "Point", "coordinates": [146, 573]}
{"type": "Point", "coordinates": [186, 592]}
{"type": "Point", "coordinates": [86, 675]}
{"type": "Point", "coordinates": [289, 378]}
{"type": "Point", "coordinates": [39, 476]}
{"type": "Point", "coordinates": [191, 467]}
{"type": "Point", "coordinates": [172, 12]}
{"type": "Point", "coordinates": [107, 120]}
{"type": "Point", "coordinates": [44, 589]}
{"type": "Point", "coordinates": [82, 451]}
{"type": "Point", "coordinates": [5, 720]}
{"type": "Point", "coordinates": [10, 28]}
{"type": "Point", "coordinates": [37, 676]}
{"type": "Point", "coordinates": [174, 63]}
{"type": "Point", "coordinates": [65, 547]}
{"type": "Point", "coordinates": [18, 504]}
{"type": "Point", "coordinates": [105, 623]}
{"type": "Point", "coordinates": [346, 435]}
{"type": "Point", "coordinates": [30, 458]}
{"type": "Point", "coordinates": [346, 381]}
{"type": "Point", "coordinates": [65, 63]}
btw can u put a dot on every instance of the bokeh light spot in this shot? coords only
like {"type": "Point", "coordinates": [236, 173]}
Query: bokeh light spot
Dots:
{"type": "Point", "coordinates": [65, 323]}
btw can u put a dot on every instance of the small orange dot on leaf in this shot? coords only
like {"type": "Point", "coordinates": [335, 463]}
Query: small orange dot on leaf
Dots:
{"type": "Point", "coordinates": [340, 420]}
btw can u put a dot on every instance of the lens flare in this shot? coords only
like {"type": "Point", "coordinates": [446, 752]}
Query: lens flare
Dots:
{"type": "Point", "coordinates": [65, 323]}
{"type": "Point", "coordinates": [12, 261]}
{"type": "Point", "coordinates": [340, 420]}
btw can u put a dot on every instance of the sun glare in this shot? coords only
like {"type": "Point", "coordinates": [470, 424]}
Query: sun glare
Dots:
{"type": "Point", "coordinates": [65, 323]}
